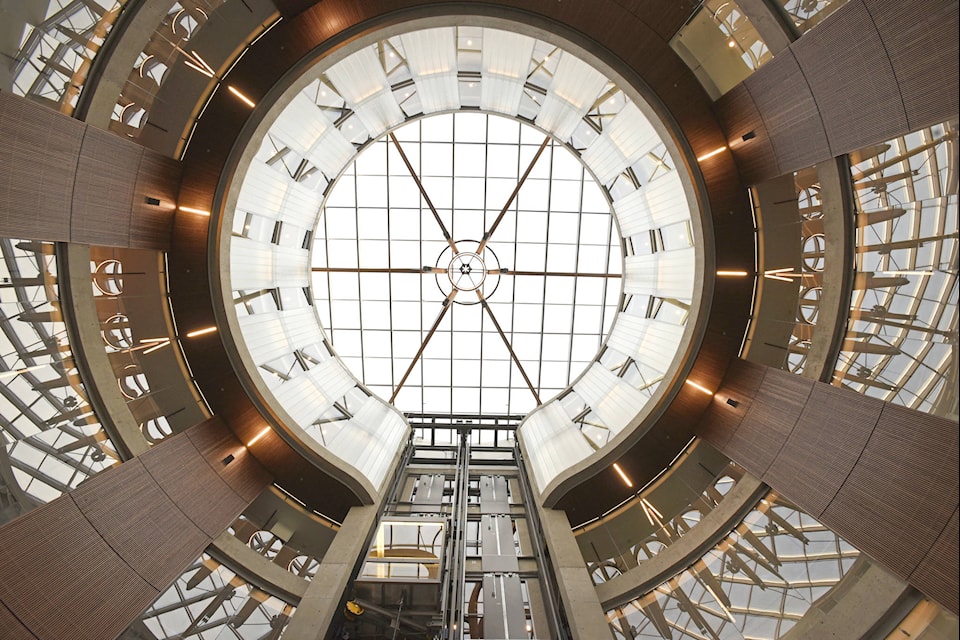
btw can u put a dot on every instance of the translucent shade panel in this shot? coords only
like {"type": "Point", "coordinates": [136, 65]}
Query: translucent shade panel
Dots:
{"type": "Point", "coordinates": [308, 395]}
{"type": "Point", "coordinates": [553, 442]}
{"type": "Point", "coordinates": [273, 194]}
{"type": "Point", "coordinates": [572, 92]}
{"type": "Point", "coordinates": [432, 57]}
{"type": "Point", "coordinates": [656, 204]}
{"type": "Point", "coordinates": [505, 60]}
{"type": "Point", "coordinates": [666, 274]}
{"type": "Point", "coordinates": [652, 342]}
{"type": "Point", "coordinates": [256, 265]}
{"type": "Point", "coordinates": [361, 81]}
{"type": "Point", "coordinates": [628, 136]}
{"type": "Point", "coordinates": [611, 398]}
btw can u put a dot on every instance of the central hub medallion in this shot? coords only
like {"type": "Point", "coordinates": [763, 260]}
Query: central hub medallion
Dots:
{"type": "Point", "coordinates": [466, 271]}
{"type": "Point", "coordinates": [474, 271]}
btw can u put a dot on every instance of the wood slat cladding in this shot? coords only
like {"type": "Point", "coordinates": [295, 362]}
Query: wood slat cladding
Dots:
{"type": "Point", "coordinates": [789, 112]}
{"type": "Point", "coordinates": [739, 116]}
{"type": "Point", "coordinates": [873, 70]}
{"type": "Point", "coordinates": [854, 85]}
{"type": "Point", "coordinates": [66, 181]}
{"type": "Point", "coordinates": [61, 580]}
{"type": "Point", "coordinates": [86, 564]}
{"type": "Point", "coordinates": [923, 60]}
{"type": "Point", "coordinates": [140, 523]}
{"type": "Point", "coordinates": [618, 25]}
{"type": "Point", "coordinates": [833, 450]}
{"type": "Point", "coordinates": [767, 424]}
{"type": "Point", "coordinates": [12, 628]}
{"type": "Point", "coordinates": [937, 572]}
{"type": "Point", "coordinates": [920, 453]}
{"type": "Point", "coordinates": [180, 469]}
{"type": "Point", "coordinates": [38, 163]}
{"type": "Point", "coordinates": [242, 473]}
{"type": "Point", "coordinates": [882, 476]}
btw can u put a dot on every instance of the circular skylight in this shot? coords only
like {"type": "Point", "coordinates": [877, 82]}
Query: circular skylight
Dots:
{"type": "Point", "coordinates": [422, 224]}
{"type": "Point", "coordinates": [466, 264]}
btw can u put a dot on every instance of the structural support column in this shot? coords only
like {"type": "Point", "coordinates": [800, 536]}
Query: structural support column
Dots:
{"type": "Point", "coordinates": [86, 564]}
{"type": "Point", "coordinates": [881, 476]}
{"type": "Point", "coordinates": [326, 594]}
{"type": "Point", "coordinates": [577, 591]}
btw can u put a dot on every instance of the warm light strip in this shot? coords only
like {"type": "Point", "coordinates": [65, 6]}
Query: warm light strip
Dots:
{"type": "Point", "coordinates": [200, 332]}
{"type": "Point", "coordinates": [711, 154]}
{"type": "Point", "coordinates": [907, 273]}
{"type": "Point", "coordinates": [202, 61]}
{"type": "Point", "coordinates": [198, 68]}
{"type": "Point", "coordinates": [646, 512]}
{"type": "Point", "coordinates": [150, 340]}
{"type": "Point", "coordinates": [737, 274]}
{"type": "Point", "coordinates": [651, 507]}
{"type": "Point", "coordinates": [250, 103]}
{"type": "Point", "coordinates": [696, 386]}
{"type": "Point", "coordinates": [616, 467]}
{"type": "Point", "coordinates": [156, 347]}
{"type": "Point", "coordinates": [265, 431]}
{"type": "Point", "coordinates": [199, 212]}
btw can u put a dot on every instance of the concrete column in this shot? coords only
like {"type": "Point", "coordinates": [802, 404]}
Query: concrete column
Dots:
{"type": "Point", "coordinates": [576, 589]}
{"type": "Point", "coordinates": [324, 598]}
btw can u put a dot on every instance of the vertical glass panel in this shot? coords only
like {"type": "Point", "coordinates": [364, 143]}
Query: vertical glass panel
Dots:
{"type": "Point", "coordinates": [721, 46]}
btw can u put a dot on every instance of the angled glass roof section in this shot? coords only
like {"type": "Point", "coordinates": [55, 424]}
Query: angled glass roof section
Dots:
{"type": "Point", "coordinates": [452, 221]}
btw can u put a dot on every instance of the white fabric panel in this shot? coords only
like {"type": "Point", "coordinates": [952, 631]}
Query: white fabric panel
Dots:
{"type": "Point", "coordinates": [372, 440]}
{"type": "Point", "coordinates": [666, 274]}
{"type": "Point", "coordinates": [263, 191]}
{"type": "Point", "coordinates": [301, 124]}
{"type": "Point", "coordinates": [628, 137]}
{"type": "Point", "coordinates": [263, 336]}
{"type": "Point", "coordinates": [258, 265]}
{"type": "Point", "coordinates": [331, 152]}
{"type": "Point", "coordinates": [275, 195]}
{"type": "Point", "coordinates": [553, 442]}
{"type": "Point", "coordinates": [612, 399]}
{"type": "Point", "coordinates": [504, 62]}
{"type": "Point", "coordinates": [647, 340]}
{"type": "Point", "coordinates": [432, 57]}
{"type": "Point", "coordinates": [654, 205]}
{"type": "Point", "coordinates": [438, 92]}
{"type": "Point", "coordinates": [571, 93]}
{"type": "Point", "coordinates": [362, 83]}
{"type": "Point", "coordinates": [269, 336]}
{"type": "Point", "coordinates": [307, 396]}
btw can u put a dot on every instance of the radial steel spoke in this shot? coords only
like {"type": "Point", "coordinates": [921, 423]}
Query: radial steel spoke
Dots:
{"type": "Point", "coordinates": [503, 336]}
{"type": "Point", "coordinates": [423, 192]}
{"type": "Point", "coordinates": [433, 329]}
{"type": "Point", "coordinates": [424, 269]}
{"type": "Point", "coordinates": [513, 196]}
{"type": "Point", "coordinates": [571, 274]}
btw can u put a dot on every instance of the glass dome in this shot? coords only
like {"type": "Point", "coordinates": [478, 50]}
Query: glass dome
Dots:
{"type": "Point", "coordinates": [455, 222]}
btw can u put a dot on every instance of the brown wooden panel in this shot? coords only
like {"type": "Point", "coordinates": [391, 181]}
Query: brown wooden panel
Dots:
{"type": "Point", "coordinates": [151, 225]}
{"type": "Point", "coordinates": [789, 112]}
{"type": "Point", "coordinates": [103, 193]}
{"type": "Point", "coordinates": [738, 115]}
{"type": "Point", "coordinates": [38, 159]}
{"type": "Point", "coordinates": [902, 491]}
{"type": "Point", "coordinates": [774, 411]}
{"type": "Point", "coordinates": [920, 38]}
{"type": "Point", "coordinates": [722, 419]}
{"type": "Point", "coordinates": [663, 18]}
{"type": "Point", "coordinates": [12, 629]}
{"type": "Point", "coordinates": [937, 574]}
{"type": "Point", "coordinates": [61, 580]}
{"type": "Point", "coordinates": [140, 523]}
{"type": "Point", "coordinates": [243, 473]}
{"type": "Point", "coordinates": [829, 437]}
{"type": "Point", "coordinates": [179, 469]}
{"type": "Point", "coordinates": [849, 74]}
